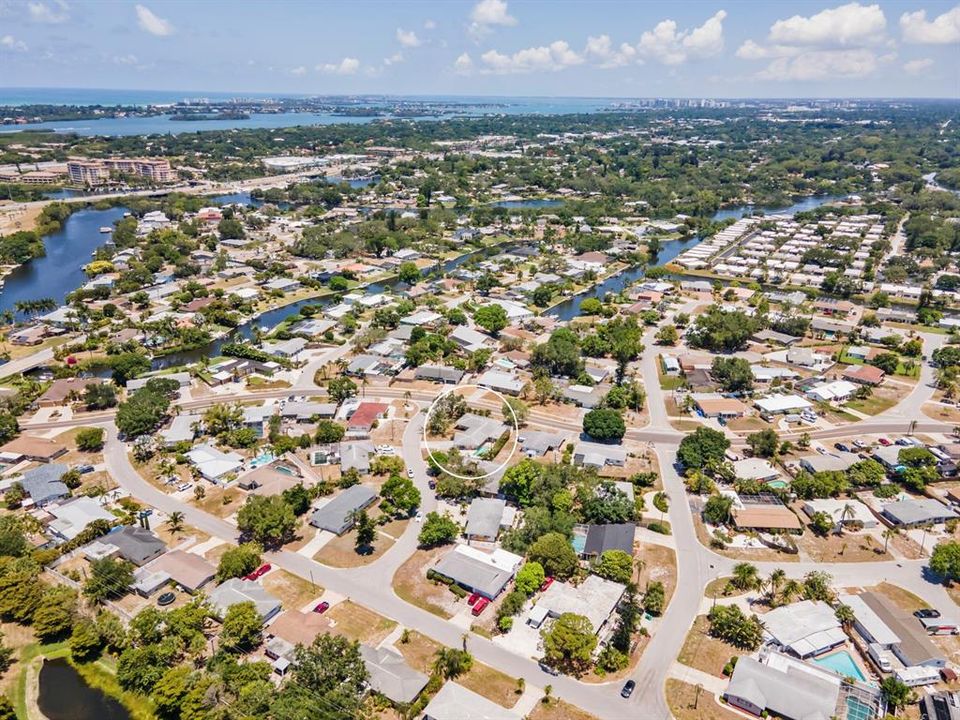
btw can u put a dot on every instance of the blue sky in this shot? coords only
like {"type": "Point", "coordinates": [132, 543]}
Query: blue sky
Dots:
{"type": "Point", "coordinates": [712, 48]}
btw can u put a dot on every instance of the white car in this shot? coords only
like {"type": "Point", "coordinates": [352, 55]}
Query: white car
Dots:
{"type": "Point", "coordinates": [409, 472]}
{"type": "Point", "coordinates": [419, 517]}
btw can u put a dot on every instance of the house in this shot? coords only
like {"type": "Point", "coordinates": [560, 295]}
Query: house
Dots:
{"type": "Point", "coordinates": [214, 464]}
{"type": "Point", "coordinates": [537, 443]}
{"type": "Point", "coordinates": [917, 512]}
{"type": "Point", "coordinates": [764, 512]}
{"type": "Point", "coordinates": [782, 404]}
{"type": "Point", "coordinates": [914, 648]}
{"type": "Point", "coordinates": [475, 431]}
{"type": "Point", "coordinates": [470, 339]}
{"type": "Point", "coordinates": [506, 383]}
{"type": "Point", "coordinates": [33, 448]}
{"type": "Point", "coordinates": [837, 391]}
{"type": "Point", "coordinates": [486, 517]}
{"type": "Point", "coordinates": [337, 515]}
{"type": "Point", "coordinates": [785, 688]}
{"type": "Point", "coordinates": [477, 571]}
{"type": "Point", "coordinates": [831, 462]}
{"type": "Point", "coordinates": [256, 418]}
{"type": "Point", "coordinates": [842, 512]}
{"type": "Point", "coordinates": [180, 430]}
{"type": "Point", "coordinates": [943, 705]}
{"type": "Point", "coordinates": [755, 469]}
{"type": "Point", "coordinates": [772, 337]}
{"type": "Point", "coordinates": [805, 628]}
{"type": "Point", "coordinates": [613, 536]}
{"type": "Point", "coordinates": [71, 517]}
{"type": "Point", "coordinates": [64, 389]}
{"type": "Point", "coordinates": [585, 396]}
{"type": "Point", "coordinates": [363, 418]}
{"type": "Point", "coordinates": [390, 675]}
{"type": "Point", "coordinates": [598, 455]}
{"type": "Point", "coordinates": [287, 348]}
{"type": "Point", "coordinates": [455, 702]}
{"type": "Point", "coordinates": [595, 598]}
{"type": "Point", "coordinates": [868, 623]}
{"type": "Point", "coordinates": [43, 484]}
{"type": "Point", "coordinates": [421, 319]}
{"type": "Point", "coordinates": [438, 373]}
{"type": "Point", "coordinates": [188, 570]}
{"type": "Point", "coordinates": [355, 455]}
{"type": "Point", "coordinates": [720, 407]}
{"type": "Point", "coordinates": [183, 380]}
{"type": "Point", "coordinates": [306, 410]}
{"type": "Point", "coordinates": [237, 590]}
{"type": "Point", "coordinates": [888, 456]}
{"type": "Point", "coordinates": [135, 544]}
{"type": "Point", "coordinates": [865, 375]}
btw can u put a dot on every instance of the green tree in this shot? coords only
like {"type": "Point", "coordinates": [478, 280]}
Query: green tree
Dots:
{"type": "Point", "coordinates": [704, 446]}
{"type": "Point", "coordinates": [492, 318]}
{"type": "Point", "coordinates": [409, 273]}
{"type": "Point", "coordinates": [109, 578]}
{"type": "Point", "coordinates": [13, 536]}
{"type": "Point", "coordinates": [328, 673]}
{"type": "Point", "coordinates": [55, 613]}
{"type": "Point", "coordinates": [366, 530]}
{"type": "Point", "coordinates": [888, 362]}
{"type": "Point", "coordinates": [519, 408]}
{"type": "Point", "coordinates": [529, 578]}
{"type": "Point", "coordinates": [437, 530]}
{"type": "Point", "coordinates": [401, 493]}
{"type": "Point", "coordinates": [451, 663]}
{"type": "Point", "coordinates": [171, 690]}
{"type": "Point", "coordinates": [7, 711]}
{"type": "Point", "coordinates": [241, 627]}
{"type": "Point", "coordinates": [897, 694]}
{"type": "Point", "coordinates": [604, 424]}
{"type": "Point", "coordinates": [86, 643]}
{"type": "Point", "coordinates": [764, 443]}
{"type": "Point", "coordinates": [732, 373]}
{"type": "Point", "coordinates": [328, 432]}
{"type": "Point", "coordinates": [341, 388]}
{"type": "Point", "coordinates": [553, 552]}
{"type": "Point", "coordinates": [718, 509]}
{"type": "Point", "coordinates": [654, 598]}
{"type": "Point", "coordinates": [89, 439]}
{"type": "Point", "coordinates": [614, 565]}
{"type": "Point", "coordinates": [238, 561]}
{"type": "Point", "coordinates": [945, 560]}
{"type": "Point", "coordinates": [518, 479]}
{"type": "Point", "coordinates": [745, 576]}
{"type": "Point", "coordinates": [668, 335]}
{"type": "Point", "coordinates": [730, 624]}
{"type": "Point", "coordinates": [569, 643]}
{"type": "Point", "coordinates": [99, 396]}
{"type": "Point", "coordinates": [267, 520]}
{"type": "Point", "coordinates": [127, 366]}
{"type": "Point", "coordinates": [142, 413]}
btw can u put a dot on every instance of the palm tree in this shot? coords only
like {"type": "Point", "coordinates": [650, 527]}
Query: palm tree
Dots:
{"type": "Point", "coordinates": [887, 534]}
{"type": "Point", "coordinates": [848, 513]}
{"type": "Point", "coordinates": [776, 579]}
{"type": "Point", "coordinates": [175, 521]}
{"type": "Point", "coordinates": [791, 589]}
{"type": "Point", "coordinates": [845, 615]}
{"type": "Point", "coordinates": [745, 576]}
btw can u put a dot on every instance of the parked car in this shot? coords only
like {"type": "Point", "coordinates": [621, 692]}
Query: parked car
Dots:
{"type": "Point", "coordinates": [432, 484]}
{"type": "Point", "coordinates": [627, 690]}
{"type": "Point", "coordinates": [182, 487]}
{"type": "Point", "coordinates": [262, 570]}
{"type": "Point", "coordinates": [84, 469]}
{"type": "Point", "coordinates": [927, 613]}
{"type": "Point", "coordinates": [547, 582]}
{"type": "Point", "coordinates": [322, 607]}
{"type": "Point", "coordinates": [841, 447]}
{"type": "Point", "coordinates": [548, 669]}
{"type": "Point", "coordinates": [860, 443]}
{"type": "Point", "coordinates": [479, 606]}
{"type": "Point", "coordinates": [419, 517]}
{"type": "Point", "coordinates": [472, 600]}
{"type": "Point", "coordinates": [409, 472]}
{"type": "Point", "coordinates": [884, 442]}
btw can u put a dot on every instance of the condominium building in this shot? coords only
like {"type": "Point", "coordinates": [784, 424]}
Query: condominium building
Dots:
{"type": "Point", "coordinates": [97, 172]}
{"type": "Point", "coordinates": [87, 172]}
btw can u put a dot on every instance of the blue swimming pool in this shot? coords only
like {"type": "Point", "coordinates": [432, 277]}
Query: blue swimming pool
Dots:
{"type": "Point", "coordinates": [841, 663]}
{"type": "Point", "coordinates": [261, 459]}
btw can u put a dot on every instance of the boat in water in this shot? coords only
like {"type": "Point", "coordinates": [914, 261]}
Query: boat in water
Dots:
{"type": "Point", "coordinates": [106, 229]}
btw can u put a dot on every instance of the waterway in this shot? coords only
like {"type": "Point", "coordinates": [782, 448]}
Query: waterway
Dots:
{"type": "Point", "coordinates": [60, 271]}
{"type": "Point", "coordinates": [64, 695]}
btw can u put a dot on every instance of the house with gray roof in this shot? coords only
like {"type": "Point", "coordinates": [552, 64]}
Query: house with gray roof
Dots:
{"type": "Point", "coordinates": [336, 515]}
{"type": "Point", "coordinates": [238, 590]}
{"type": "Point", "coordinates": [505, 383]}
{"type": "Point", "coordinates": [474, 431]}
{"type": "Point", "coordinates": [485, 518]}
{"type": "Point", "coordinates": [614, 536]}
{"type": "Point", "coordinates": [469, 339]}
{"type": "Point", "coordinates": [72, 516]}
{"type": "Point", "coordinates": [439, 373]}
{"type": "Point", "coordinates": [536, 443]}
{"type": "Point", "coordinates": [914, 512]}
{"type": "Point", "coordinates": [180, 430]}
{"type": "Point", "coordinates": [787, 690]}
{"type": "Point", "coordinates": [391, 676]}
{"type": "Point", "coordinates": [356, 455]}
{"type": "Point", "coordinates": [599, 455]}
{"type": "Point", "coordinates": [43, 483]}
{"type": "Point", "coordinates": [455, 702]}
{"type": "Point", "coordinates": [135, 544]}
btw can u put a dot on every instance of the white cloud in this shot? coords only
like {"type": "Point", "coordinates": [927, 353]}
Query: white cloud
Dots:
{"type": "Point", "coordinates": [753, 51]}
{"type": "Point", "coordinates": [125, 60]}
{"type": "Point", "coordinates": [397, 57]}
{"type": "Point", "coordinates": [52, 15]}
{"type": "Point", "coordinates": [671, 47]}
{"type": "Point", "coordinates": [463, 64]}
{"type": "Point", "coordinates": [822, 65]}
{"type": "Point", "coordinates": [847, 25]}
{"type": "Point", "coordinates": [407, 38]}
{"type": "Point", "coordinates": [429, 24]}
{"type": "Point", "coordinates": [556, 56]}
{"type": "Point", "coordinates": [151, 23]}
{"type": "Point", "coordinates": [915, 67]}
{"type": "Point", "coordinates": [299, 70]}
{"type": "Point", "coordinates": [600, 48]}
{"type": "Point", "coordinates": [488, 14]}
{"type": "Point", "coordinates": [942, 30]}
{"type": "Point", "coordinates": [9, 42]}
{"type": "Point", "coordinates": [347, 66]}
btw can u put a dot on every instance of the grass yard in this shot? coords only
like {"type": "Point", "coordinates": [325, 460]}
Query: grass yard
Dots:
{"type": "Point", "coordinates": [358, 623]}
{"type": "Point", "coordinates": [559, 710]}
{"type": "Point", "coordinates": [418, 651]}
{"type": "Point", "coordinates": [904, 599]}
{"type": "Point", "coordinates": [660, 563]}
{"type": "Point", "coordinates": [842, 548]}
{"type": "Point", "coordinates": [873, 405]}
{"type": "Point", "coordinates": [686, 704]}
{"type": "Point", "coordinates": [494, 685]}
{"type": "Point", "coordinates": [255, 382]}
{"type": "Point", "coordinates": [292, 591]}
{"type": "Point", "coordinates": [703, 652]}
{"type": "Point", "coordinates": [341, 552]}
{"type": "Point", "coordinates": [411, 584]}
{"type": "Point", "coordinates": [220, 501]}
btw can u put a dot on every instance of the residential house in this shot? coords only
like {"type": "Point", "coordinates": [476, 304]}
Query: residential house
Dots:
{"type": "Point", "coordinates": [595, 599]}
{"type": "Point", "coordinates": [236, 591]}
{"type": "Point", "coordinates": [598, 455]}
{"type": "Point", "coordinates": [43, 484]}
{"type": "Point", "coordinates": [390, 676]}
{"type": "Point", "coordinates": [213, 464]}
{"type": "Point", "coordinates": [486, 517]}
{"type": "Point", "coordinates": [455, 702]}
{"type": "Point", "coordinates": [477, 571]}
{"type": "Point", "coordinates": [336, 516]}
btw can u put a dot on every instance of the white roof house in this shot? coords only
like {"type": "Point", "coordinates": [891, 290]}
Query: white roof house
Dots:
{"type": "Point", "coordinates": [805, 628]}
{"type": "Point", "coordinates": [212, 463]}
{"type": "Point", "coordinates": [836, 391]}
{"type": "Point", "coordinates": [595, 599]}
{"type": "Point", "coordinates": [74, 515]}
{"type": "Point", "coordinates": [755, 469]}
{"type": "Point", "coordinates": [780, 404]}
{"type": "Point", "coordinates": [868, 623]}
{"type": "Point", "coordinates": [842, 511]}
{"type": "Point", "coordinates": [455, 702]}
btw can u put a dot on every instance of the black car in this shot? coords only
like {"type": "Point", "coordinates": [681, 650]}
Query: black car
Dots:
{"type": "Point", "coordinates": [927, 613]}
{"type": "Point", "coordinates": [628, 689]}
{"type": "Point", "coordinates": [841, 447]}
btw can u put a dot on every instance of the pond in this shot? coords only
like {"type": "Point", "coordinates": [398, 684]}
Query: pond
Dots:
{"type": "Point", "coordinates": [64, 695]}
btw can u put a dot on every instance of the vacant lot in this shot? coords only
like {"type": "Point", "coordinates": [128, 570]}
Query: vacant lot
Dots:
{"type": "Point", "coordinates": [411, 584]}
{"type": "Point", "coordinates": [358, 623]}
{"type": "Point", "coordinates": [419, 651]}
{"type": "Point", "coordinates": [559, 710]}
{"type": "Point", "coordinates": [842, 548]}
{"type": "Point", "coordinates": [294, 592]}
{"type": "Point", "coordinates": [687, 704]}
{"type": "Point", "coordinates": [494, 685]}
{"type": "Point", "coordinates": [703, 652]}
{"type": "Point", "coordinates": [659, 564]}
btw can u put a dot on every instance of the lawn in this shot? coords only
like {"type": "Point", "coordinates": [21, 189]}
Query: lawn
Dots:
{"type": "Point", "coordinates": [341, 552]}
{"type": "Point", "coordinates": [418, 651]}
{"type": "Point", "coordinates": [358, 623]}
{"type": "Point", "coordinates": [904, 599]}
{"type": "Point", "coordinates": [294, 592]}
{"type": "Point", "coordinates": [411, 584]}
{"type": "Point", "coordinates": [659, 563]}
{"type": "Point", "coordinates": [494, 685]}
{"type": "Point", "coordinates": [873, 405]}
{"type": "Point", "coordinates": [703, 652]}
{"type": "Point", "coordinates": [686, 704]}
{"type": "Point", "coordinates": [842, 548]}
{"type": "Point", "coordinates": [558, 710]}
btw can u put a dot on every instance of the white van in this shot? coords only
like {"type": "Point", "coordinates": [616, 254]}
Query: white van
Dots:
{"type": "Point", "coordinates": [881, 657]}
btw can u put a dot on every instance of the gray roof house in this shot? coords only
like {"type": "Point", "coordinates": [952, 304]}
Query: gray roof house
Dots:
{"type": "Point", "coordinates": [356, 455]}
{"type": "Point", "coordinates": [536, 443]}
{"type": "Point", "coordinates": [501, 382]}
{"type": "Point", "coordinates": [439, 373]}
{"type": "Point", "coordinates": [237, 590]}
{"type": "Point", "coordinates": [135, 544]}
{"type": "Point", "coordinates": [615, 536]}
{"type": "Point", "coordinates": [335, 516]}
{"type": "Point", "coordinates": [834, 461]}
{"type": "Point", "coordinates": [789, 691]}
{"type": "Point", "coordinates": [391, 676]}
{"type": "Point", "coordinates": [43, 483]}
{"type": "Point", "coordinates": [599, 455]}
{"type": "Point", "coordinates": [475, 430]}
{"type": "Point", "coordinates": [469, 339]}
{"type": "Point", "coordinates": [913, 512]}
{"type": "Point", "coordinates": [471, 572]}
{"type": "Point", "coordinates": [484, 518]}
{"type": "Point", "coordinates": [455, 702]}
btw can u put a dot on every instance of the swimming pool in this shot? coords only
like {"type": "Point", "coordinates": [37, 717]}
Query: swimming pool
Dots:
{"type": "Point", "coordinates": [261, 459]}
{"type": "Point", "coordinates": [841, 663]}
{"type": "Point", "coordinates": [778, 484]}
